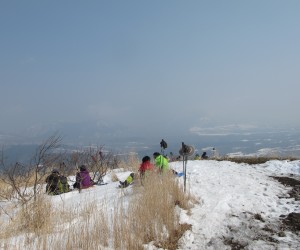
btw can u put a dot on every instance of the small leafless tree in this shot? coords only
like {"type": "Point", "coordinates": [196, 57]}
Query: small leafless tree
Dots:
{"type": "Point", "coordinates": [99, 164]}
{"type": "Point", "coordinates": [25, 180]}
{"type": "Point", "coordinates": [96, 159]}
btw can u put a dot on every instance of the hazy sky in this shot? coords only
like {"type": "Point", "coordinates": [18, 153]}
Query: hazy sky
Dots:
{"type": "Point", "coordinates": [149, 65]}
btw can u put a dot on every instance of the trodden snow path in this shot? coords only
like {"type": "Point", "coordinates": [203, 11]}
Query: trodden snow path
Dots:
{"type": "Point", "coordinates": [230, 195]}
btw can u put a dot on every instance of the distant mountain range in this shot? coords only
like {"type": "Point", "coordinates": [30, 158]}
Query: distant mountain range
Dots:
{"type": "Point", "coordinates": [80, 133]}
{"type": "Point", "coordinates": [239, 139]}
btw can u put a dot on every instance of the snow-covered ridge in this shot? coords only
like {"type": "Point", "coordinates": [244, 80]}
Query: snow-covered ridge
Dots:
{"type": "Point", "coordinates": [236, 203]}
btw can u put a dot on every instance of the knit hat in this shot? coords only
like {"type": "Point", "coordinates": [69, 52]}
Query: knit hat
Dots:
{"type": "Point", "coordinates": [156, 154]}
{"type": "Point", "coordinates": [146, 158]}
{"type": "Point", "coordinates": [82, 168]}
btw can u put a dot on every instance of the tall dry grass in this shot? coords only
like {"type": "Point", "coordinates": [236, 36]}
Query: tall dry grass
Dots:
{"type": "Point", "coordinates": [131, 163]}
{"type": "Point", "coordinates": [32, 217]}
{"type": "Point", "coordinates": [87, 227]}
{"type": "Point", "coordinates": [151, 215]}
{"type": "Point", "coordinates": [6, 191]}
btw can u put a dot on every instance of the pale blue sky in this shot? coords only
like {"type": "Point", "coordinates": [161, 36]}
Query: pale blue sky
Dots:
{"type": "Point", "coordinates": [150, 65]}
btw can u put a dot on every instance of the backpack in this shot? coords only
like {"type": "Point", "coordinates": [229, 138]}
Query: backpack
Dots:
{"type": "Point", "coordinates": [163, 144]}
{"type": "Point", "coordinates": [63, 185]}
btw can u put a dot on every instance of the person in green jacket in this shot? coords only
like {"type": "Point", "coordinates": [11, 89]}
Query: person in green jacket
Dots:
{"type": "Point", "coordinates": [161, 162]}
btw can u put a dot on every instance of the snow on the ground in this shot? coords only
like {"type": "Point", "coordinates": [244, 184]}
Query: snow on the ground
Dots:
{"type": "Point", "coordinates": [230, 197]}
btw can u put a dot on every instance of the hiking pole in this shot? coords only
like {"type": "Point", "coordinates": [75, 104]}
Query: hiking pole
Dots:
{"type": "Point", "coordinates": [184, 162]}
{"type": "Point", "coordinates": [185, 151]}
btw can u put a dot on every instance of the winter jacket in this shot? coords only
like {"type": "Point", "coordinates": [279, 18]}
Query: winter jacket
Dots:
{"type": "Point", "coordinates": [56, 184]}
{"type": "Point", "coordinates": [52, 184]}
{"type": "Point", "coordinates": [146, 166]}
{"type": "Point", "coordinates": [83, 177]}
{"type": "Point", "coordinates": [162, 162]}
{"type": "Point", "coordinates": [129, 179]}
{"type": "Point", "coordinates": [127, 182]}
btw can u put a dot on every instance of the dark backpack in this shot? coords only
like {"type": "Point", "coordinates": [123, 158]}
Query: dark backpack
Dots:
{"type": "Point", "coordinates": [163, 144]}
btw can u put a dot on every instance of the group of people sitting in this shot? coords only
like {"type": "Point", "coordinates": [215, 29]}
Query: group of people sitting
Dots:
{"type": "Point", "coordinates": [58, 184]}
{"type": "Point", "coordinates": [203, 156]}
{"type": "Point", "coordinates": [161, 165]}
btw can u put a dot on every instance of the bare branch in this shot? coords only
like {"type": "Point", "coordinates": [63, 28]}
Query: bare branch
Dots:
{"type": "Point", "coordinates": [26, 181]}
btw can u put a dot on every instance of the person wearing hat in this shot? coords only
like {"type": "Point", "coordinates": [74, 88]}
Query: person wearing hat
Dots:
{"type": "Point", "coordinates": [161, 162]}
{"type": "Point", "coordinates": [204, 156]}
{"type": "Point", "coordinates": [56, 183]}
{"type": "Point", "coordinates": [83, 178]}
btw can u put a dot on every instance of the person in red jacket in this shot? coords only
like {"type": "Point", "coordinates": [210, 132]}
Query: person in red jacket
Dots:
{"type": "Point", "coordinates": [145, 166]}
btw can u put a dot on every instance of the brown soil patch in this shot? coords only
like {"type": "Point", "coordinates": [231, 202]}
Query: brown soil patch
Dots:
{"type": "Point", "coordinates": [292, 220]}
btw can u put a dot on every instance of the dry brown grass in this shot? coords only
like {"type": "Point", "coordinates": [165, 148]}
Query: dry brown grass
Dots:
{"type": "Point", "coordinates": [256, 160]}
{"type": "Point", "coordinates": [86, 227]}
{"type": "Point", "coordinates": [132, 163]}
{"type": "Point", "coordinates": [6, 191]}
{"type": "Point", "coordinates": [34, 216]}
{"type": "Point", "coordinates": [152, 215]}
{"type": "Point", "coordinates": [114, 177]}
{"type": "Point", "coordinates": [92, 232]}
{"type": "Point", "coordinates": [172, 243]}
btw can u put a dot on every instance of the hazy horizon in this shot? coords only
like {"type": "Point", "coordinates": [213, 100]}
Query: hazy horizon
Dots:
{"type": "Point", "coordinates": [153, 68]}
{"type": "Point", "coordinates": [256, 143]}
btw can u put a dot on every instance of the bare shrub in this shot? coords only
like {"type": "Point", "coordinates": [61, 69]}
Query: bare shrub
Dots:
{"type": "Point", "coordinates": [100, 163]}
{"type": "Point", "coordinates": [26, 180]}
{"type": "Point", "coordinates": [96, 159]}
